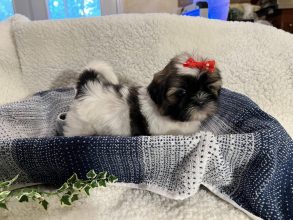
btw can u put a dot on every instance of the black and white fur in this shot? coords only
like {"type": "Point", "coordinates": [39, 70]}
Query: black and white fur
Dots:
{"type": "Point", "coordinates": [176, 102]}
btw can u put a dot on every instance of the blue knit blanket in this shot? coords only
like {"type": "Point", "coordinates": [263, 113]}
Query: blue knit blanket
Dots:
{"type": "Point", "coordinates": [241, 154]}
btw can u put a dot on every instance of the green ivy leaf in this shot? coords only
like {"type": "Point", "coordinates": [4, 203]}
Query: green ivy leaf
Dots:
{"type": "Point", "coordinates": [102, 183]}
{"type": "Point", "coordinates": [112, 179]}
{"type": "Point", "coordinates": [69, 192]}
{"type": "Point", "coordinates": [3, 205]}
{"type": "Point", "coordinates": [72, 179]}
{"type": "Point", "coordinates": [8, 183]}
{"type": "Point", "coordinates": [102, 175]}
{"type": "Point", "coordinates": [4, 184]}
{"type": "Point", "coordinates": [74, 197]}
{"type": "Point", "coordinates": [45, 204]}
{"type": "Point", "coordinates": [66, 199]}
{"type": "Point", "coordinates": [91, 174]}
{"type": "Point", "coordinates": [13, 180]}
{"type": "Point", "coordinates": [34, 195]}
{"type": "Point", "coordinates": [78, 185]}
{"type": "Point", "coordinates": [94, 184]}
{"type": "Point", "coordinates": [3, 195]}
{"type": "Point", "coordinates": [63, 187]}
{"type": "Point", "coordinates": [87, 189]}
{"type": "Point", "coordinates": [23, 198]}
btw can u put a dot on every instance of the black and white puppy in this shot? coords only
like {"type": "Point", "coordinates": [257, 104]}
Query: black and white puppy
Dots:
{"type": "Point", "coordinates": [177, 100]}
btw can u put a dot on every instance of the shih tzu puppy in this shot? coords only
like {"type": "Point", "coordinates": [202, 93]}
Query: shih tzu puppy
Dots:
{"type": "Point", "coordinates": [177, 100]}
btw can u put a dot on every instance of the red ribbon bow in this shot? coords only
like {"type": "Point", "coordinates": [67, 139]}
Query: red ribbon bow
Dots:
{"type": "Point", "coordinates": [206, 65]}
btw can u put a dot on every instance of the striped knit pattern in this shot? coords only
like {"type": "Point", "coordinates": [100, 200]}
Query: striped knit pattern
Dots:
{"type": "Point", "coordinates": [241, 153]}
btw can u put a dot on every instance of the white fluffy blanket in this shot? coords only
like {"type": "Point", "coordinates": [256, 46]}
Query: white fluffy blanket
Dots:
{"type": "Point", "coordinates": [11, 83]}
{"type": "Point", "coordinates": [255, 60]}
{"type": "Point", "coordinates": [120, 203]}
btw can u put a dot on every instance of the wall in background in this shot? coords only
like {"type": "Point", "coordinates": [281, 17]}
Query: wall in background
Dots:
{"type": "Point", "coordinates": [285, 3]}
{"type": "Point", "coordinates": [240, 1]}
{"type": "Point", "coordinates": [143, 6]}
{"type": "Point", "coordinates": [33, 9]}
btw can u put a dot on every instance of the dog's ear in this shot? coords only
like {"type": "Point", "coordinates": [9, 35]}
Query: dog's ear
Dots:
{"type": "Point", "coordinates": [157, 88]}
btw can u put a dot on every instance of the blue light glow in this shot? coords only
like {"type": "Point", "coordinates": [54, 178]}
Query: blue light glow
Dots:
{"type": "Point", "coordinates": [6, 9]}
{"type": "Point", "coordinates": [59, 9]}
{"type": "Point", "coordinates": [217, 9]}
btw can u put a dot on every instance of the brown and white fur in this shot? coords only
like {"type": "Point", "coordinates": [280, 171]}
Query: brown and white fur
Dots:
{"type": "Point", "coordinates": [176, 101]}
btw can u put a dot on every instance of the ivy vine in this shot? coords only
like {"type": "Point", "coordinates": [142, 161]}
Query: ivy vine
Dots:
{"type": "Point", "coordinates": [68, 192]}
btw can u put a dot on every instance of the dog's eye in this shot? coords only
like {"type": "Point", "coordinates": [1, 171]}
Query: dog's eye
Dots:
{"type": "Point", "coordinates": [174, 94]}
{"type": "Point", "coordinates": [181, 92]}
